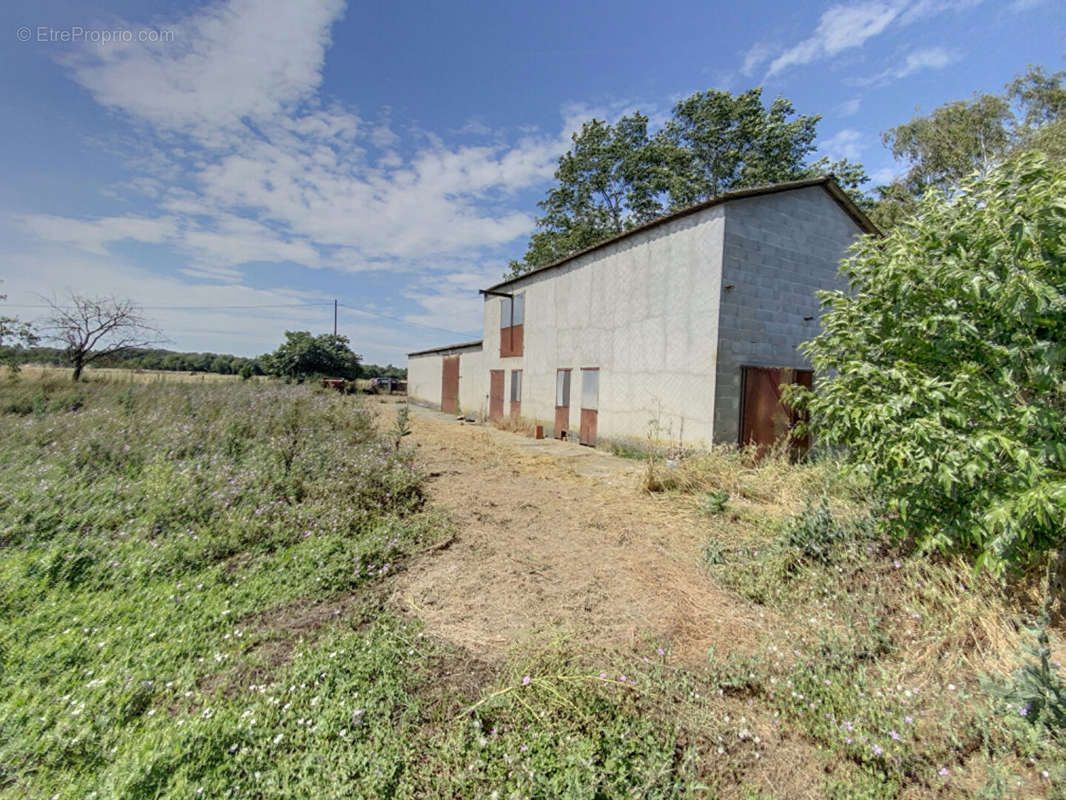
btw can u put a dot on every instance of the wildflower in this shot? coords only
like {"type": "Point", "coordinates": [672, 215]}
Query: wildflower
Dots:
{"type": "Point", "coordinates": [943, 772]}
{"type": "Point", "coordinates": [622, 678]}
{"type": "Point", "coordinates": [1024, 710]}
{"type": "Point", "coordinates": [525, 680]}
{"type": "Point", "coordinates": [909, 720]}
{"type": "Point", "coordinates": [877, 749]}
{"type": "Point", "coordinates": [662, 652]}
{"type": "Point", "coordinates": [894, 735]}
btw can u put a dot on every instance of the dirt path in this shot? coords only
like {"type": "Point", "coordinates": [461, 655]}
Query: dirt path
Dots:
{"type": "Point", "coordinates": [551, 538]}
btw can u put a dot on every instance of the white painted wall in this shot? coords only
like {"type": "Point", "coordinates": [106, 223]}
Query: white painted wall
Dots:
{"type": "Point", "coordinates": [645, 311]}
{"type": "Point", "coordinates": [652, 312]}
{"type": "Point", "coordinates": [473, 384]}
{"type": "Point", "coordinates": [425, 375]}
{"type": "Point", "coordinates": [424, 379]}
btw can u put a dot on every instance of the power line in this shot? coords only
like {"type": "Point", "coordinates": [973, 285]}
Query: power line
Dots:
{"type": "Point", "coordinates": [404, 321]}
{"type": "Point", "coordinates": [196, 308]}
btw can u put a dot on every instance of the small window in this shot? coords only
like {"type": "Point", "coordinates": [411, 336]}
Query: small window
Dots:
{"type": "Point", "coordinates": [590, 389]}
{"type": "Point", "coordinates": [506, 320]}
{"type": "Point", "coordinates": [519, 308]}
{"type": "Point", "coordinates": [505, 313]}
{"type": "Point", "coordinates": [562, 388]}
{"type": "Point", "coordinates": [516, 386]}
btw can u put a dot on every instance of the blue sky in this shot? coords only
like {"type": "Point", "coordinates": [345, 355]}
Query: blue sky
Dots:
{"type": "Point", "coordinates": [235, 166]}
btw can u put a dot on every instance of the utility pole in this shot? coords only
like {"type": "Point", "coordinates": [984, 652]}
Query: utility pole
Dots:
{"type": "Point", "coordinates": [334, 316]}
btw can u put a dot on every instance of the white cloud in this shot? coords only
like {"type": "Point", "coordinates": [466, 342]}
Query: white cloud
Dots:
{"type": "Point", "coordinates": [95, 235]}
{"type": "Point", "coordinates": [841, 27]}
{"type": "Point", "coordinates": [229, 61]}
{"type": "Point", "coordinates": [847, 26]}
{"type": "Point", "coordinates": [849, 108]}
{"type": "Point", "coordinates": [915, 61]}
{"type": "Point", "coordinates": [245, 163]}
{"type": "Point", "coordinates": [847, 143]}
{"type": "Point", "coordinates": [755, 57]}
{"type": "Point", "coordinates": [885, 175]}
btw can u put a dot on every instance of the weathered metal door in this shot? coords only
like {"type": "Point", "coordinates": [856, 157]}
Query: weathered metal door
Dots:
{"type": "Point", "coordinates": [495, 394]}
{"type": "Point", "coordinates": [562, 403]}
{"type": "Point", "coordinates": [764, 418]}
{"type": "Point", "coordinates": [449, 393]}
{"type": "Point", "coordinates": [590, 403]}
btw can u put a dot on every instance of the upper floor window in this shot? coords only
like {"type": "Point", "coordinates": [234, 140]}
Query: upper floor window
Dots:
{"type": "Point", "coordinates": [512, 317]}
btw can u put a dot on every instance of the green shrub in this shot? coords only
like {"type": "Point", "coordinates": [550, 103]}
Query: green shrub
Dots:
{"type": "Point", "coordinates": [941, 369]}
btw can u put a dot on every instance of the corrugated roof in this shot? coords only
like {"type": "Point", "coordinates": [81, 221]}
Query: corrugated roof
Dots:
{"type": "Point", "coordinates": [825, 181]}
{"type": "Point", "coordinates": [462, 346]}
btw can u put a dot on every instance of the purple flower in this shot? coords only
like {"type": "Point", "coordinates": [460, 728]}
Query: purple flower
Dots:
{"type": "Point", "coordinates": [622, 678]}
{"type": "Point", "coordinates": [909, 720]}
{"type": "Point", "coordinates": [894, 735]}
{"type": "Point", "coordinates": [877, 749]}
{"type": "Point", "coordinates": [943, 772]}
{"type": "Point", "coordinates": [525, 680]}
{"type": "Point", "coordinates": [1024, 710]}
{"type": "Point", "coordinates": [603, 675]}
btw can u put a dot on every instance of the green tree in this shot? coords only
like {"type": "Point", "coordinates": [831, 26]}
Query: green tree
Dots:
{"type": "Point", "coordinates": [941, 372]}
{"type": "Point", "coordinates": [1042, 97]}
{"type": "Point", "coordinates": [12, 328]}
{"type": "Point", "coordinates": [302, 355]}
{"type": "Point", "coordinates": [609, 181]}
{"type": "Point", "coordinates": [717, 142]}
{"type": "Point", "coordinates": [615, 177]}
{"type": "Point", "coordinates": [954, 141]}
{"type": "Point", "coordinates": [960, 138]}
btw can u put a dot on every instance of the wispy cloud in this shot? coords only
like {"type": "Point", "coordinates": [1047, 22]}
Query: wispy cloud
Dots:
{"type": "Point", "coordinates": [849, 108]}
{"type": "Point", "coordinates": [840, 28]}
{"type": "Point", "coordinates": [846, 26]}
{"type": "Point", "coordinates": [915, 61]}
{"type": "Point", "coordinates": [847, 143]}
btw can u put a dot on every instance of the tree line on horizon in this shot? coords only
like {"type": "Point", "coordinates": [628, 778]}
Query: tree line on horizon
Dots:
{"type": "Point", "coordinates": [170, 361]}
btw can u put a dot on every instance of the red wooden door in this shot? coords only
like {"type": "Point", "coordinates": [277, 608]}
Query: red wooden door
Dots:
{"type": "Point", "coordinates": [495, 394]}
{"type": "Point", "coordinates": [449, 393]}
{"type": "Point", "coordinates": [765, 418]}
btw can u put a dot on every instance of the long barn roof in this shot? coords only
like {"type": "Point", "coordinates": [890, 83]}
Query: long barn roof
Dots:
{"type": "Point", "coordinates": [827, 182]}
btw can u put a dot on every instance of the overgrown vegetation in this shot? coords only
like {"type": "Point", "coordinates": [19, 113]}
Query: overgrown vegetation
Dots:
{"type": "Point", "coordinates": [191, 605]}
{"type": "Point", "coordinates": [905, 669]}
{"type": "Point", "coordinates": [943, 373]}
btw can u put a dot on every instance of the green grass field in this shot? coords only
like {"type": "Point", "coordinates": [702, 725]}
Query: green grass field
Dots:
{"type": "Point", "coordinates": [191, 605]}
{"type": "Point", "coordinates": [194, 583]}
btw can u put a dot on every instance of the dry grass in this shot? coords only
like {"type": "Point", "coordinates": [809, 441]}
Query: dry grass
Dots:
{"type": "Point", "coordinates": [543, 549]}
{"type": "Point", "coordinates": [35, 372]}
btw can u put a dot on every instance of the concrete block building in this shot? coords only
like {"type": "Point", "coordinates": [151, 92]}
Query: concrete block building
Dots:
{"type": "Point", "coordinates": [686, 326]}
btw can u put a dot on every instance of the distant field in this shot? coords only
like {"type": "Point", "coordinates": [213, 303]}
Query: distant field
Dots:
{"type": "Point", "coordinates": [33, 371]}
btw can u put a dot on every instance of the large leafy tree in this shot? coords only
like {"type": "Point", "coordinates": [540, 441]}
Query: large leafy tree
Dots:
{"type": "Point", "coordinates": [302, 356]}
{"type": "Point", "coordinates": [609, 181]}
{"type": "Point", "coordinates": [963, 137]}
{"type": "Point", "coordinates": [719, 142]}
{"type": "Point", "coordinates": [615, 177]}
{"type": "Point", "coordinates": [942, 372]}
{"type": "Point", "coordinates": [954, 141]}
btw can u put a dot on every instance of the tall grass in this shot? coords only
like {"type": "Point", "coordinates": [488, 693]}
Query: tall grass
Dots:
{"type": "Point", "coordinates": [191, 605]}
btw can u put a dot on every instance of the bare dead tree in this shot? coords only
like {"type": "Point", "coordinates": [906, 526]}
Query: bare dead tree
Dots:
{"type": "Point", "coordinates": [92, 328]}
